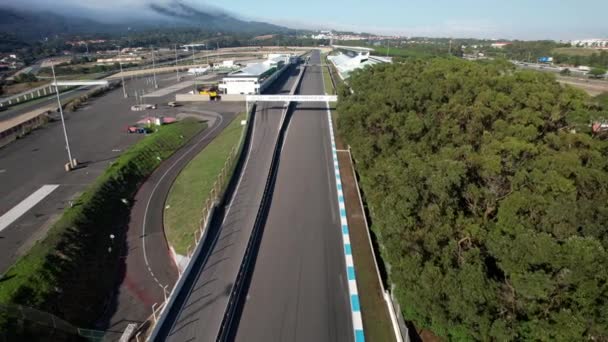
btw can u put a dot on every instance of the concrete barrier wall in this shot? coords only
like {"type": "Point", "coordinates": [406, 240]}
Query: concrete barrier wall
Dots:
{"type": "Point", "coordinates": [191, 98]}
{"type": "Point", "coordinates": [15, 132]}
{"type": "Point", "coordinates": [273, 78]}
{"type": "Point", "coordinates": [234, 97]}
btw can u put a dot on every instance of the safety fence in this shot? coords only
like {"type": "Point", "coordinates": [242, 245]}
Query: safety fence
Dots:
{"type": "Point", "coordinates": [237, 292]}
{"type": "Point", "coordinates": [18, 322]}
{"type": "Point", "coordinates": [214, 197]}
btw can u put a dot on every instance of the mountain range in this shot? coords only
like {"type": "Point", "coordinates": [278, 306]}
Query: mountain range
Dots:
{"type": "Point", "coordinates": [37, 24]}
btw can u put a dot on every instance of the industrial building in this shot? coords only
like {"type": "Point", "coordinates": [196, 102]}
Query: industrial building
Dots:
{"type": "Point", "coordinates": [254, 78]}
{"type": "Point", "coordinates": [349, 58]}
{"type": "Point", "coordinates": [126, 59]}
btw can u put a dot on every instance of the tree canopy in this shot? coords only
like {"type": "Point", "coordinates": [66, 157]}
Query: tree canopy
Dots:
{"type": "Point", "coordinates": [490, 209]}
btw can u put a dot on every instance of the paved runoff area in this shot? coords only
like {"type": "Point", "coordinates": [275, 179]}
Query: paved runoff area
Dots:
{"type": "Point", "coordinates": [97, 135]}
{"type": "Point", "coordinates": [25, 205]}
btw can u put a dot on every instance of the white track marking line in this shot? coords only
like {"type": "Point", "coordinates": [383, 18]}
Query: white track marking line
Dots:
{"type": "Point", "coordinates": [154, 190]}
{"type": "Point", "coordinates": [24, 206]}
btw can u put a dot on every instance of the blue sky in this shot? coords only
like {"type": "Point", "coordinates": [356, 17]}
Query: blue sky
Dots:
{"type": "Point", "coordinates": [512, 19]}
{"type": "Point", "coordinates": [523, 19]}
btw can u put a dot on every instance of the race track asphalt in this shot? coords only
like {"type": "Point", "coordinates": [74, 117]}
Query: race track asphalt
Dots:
{"type": "Point", "coordinates": [149, 265]}
{"type": "Point", "coordinates": [299, 289]}
{"type": "Point", "coordinates": [199, 307]}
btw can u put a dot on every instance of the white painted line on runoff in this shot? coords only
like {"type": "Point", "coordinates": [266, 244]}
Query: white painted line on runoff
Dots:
{"type": "Point", "coordinates": [17, 211]}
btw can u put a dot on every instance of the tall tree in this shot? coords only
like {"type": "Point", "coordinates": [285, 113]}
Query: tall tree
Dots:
{"type": "Point", "coordinates": [490, 209]}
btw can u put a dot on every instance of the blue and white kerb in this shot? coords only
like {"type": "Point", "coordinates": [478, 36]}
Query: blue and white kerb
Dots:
{"type": "Point", "coordinates": [350, 266]}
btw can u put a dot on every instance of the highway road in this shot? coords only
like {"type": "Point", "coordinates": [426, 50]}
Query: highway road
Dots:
{"type": "Point", "coordinates": [97, 136]}
{"type": "Point", "coordinates": [198, 311]}
{"type": "Point", "coordinates": [299, 289]}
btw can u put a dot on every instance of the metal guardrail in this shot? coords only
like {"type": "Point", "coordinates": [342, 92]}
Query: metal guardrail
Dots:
{"type": "Point", "coordinates": [226, 328]}
{"type": "Point", "coordinates": [218, 193]}
{"type": "Point", "coordinates": [216, 196]}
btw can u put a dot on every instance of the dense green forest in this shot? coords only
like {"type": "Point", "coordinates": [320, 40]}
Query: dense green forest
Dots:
{"type": "Point", "coordinates": [488, 197]}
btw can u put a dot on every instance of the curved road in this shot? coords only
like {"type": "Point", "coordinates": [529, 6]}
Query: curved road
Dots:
{"type": "Point", "coordinates": [149, 265]}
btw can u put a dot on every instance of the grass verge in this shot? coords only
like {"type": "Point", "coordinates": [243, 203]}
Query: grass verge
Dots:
{"type": "Point", "coordinates": [329, 86]}
{"type": "Point", "coordinates": [190, 190]}
{"type": "Point", "coordinates": [574, 51]}
{"type": "Point", "coordinates": [74, 269]}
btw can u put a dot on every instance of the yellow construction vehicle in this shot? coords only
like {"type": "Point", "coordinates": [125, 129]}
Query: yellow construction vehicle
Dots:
{"type": "Point", "coordinates": [211, 91]}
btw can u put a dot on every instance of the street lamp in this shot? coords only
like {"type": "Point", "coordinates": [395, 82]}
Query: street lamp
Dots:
{"type": "Point", "coordinates": [122, 77]}
{"type": "Point", "coordinates": [65, 132]}
{"type": "Point", "coordinates": [111, 243]}
{"type": "Point", "coordinates": [176, 66]}
{"type": "Point", "coordinates": [154, 69]}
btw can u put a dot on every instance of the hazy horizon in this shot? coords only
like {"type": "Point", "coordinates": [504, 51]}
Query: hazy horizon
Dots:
{"type": "Point", "coordinates": [518, 19]}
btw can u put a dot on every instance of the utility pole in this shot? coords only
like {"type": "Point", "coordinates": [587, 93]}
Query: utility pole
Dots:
{"type": "Point", "coordinates": [122, 77]}
{"type": "Point", "coordinates": [193, 56]}
{"type": "Point", "coordinates": [176, 66]}
{"type": "Point", "coordinates": [450, 48]}
{"type": "Point", "coordinates": [154, 70]}
{"type": "Point", "coordinates": [388, 47]}
{"type": "Point", "coordinates": [65, 132]}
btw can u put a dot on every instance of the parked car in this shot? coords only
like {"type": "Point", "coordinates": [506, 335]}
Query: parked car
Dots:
{"type": "Point", "coordinates": [138, 129]}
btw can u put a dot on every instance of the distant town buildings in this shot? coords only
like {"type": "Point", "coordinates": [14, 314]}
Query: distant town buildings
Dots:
{"type": "Point", "coordinates": [124, 59]}
{"type": "Point", "coordinates": [500, 45]}
{"type": "Point", "coordinates": [10, 61]}
{"type": "Point", "coordinates": [591, 43]}
{"type": "Point", "coordinates": [349, 36]}
{"type": "Point", "coordinates": [85, 42]}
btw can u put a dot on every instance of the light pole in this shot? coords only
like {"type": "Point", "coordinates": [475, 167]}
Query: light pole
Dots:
{"type": "Point", "coordinates": [154, 70]}
{"type": "Point", "coordinates": [65, 132]}
{"type": "Point", "coordinates": [122, 76]}
{"type": "Point", "coordinates": [176, 67]}
{"type": "Point", "coordinates": [111, 243]}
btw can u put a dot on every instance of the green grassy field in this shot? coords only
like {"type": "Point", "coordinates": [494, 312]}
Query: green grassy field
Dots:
{"type": "Point", "coordinates": [400, 52]}
{"type": "Point", "coordinates": [74, 269]}
{"type": "Point", "coordinates": [192, 187]}
{"type": "Point", "coordinates": [573, 51]}
{"type": "Point", "coordinates": [329, 86]}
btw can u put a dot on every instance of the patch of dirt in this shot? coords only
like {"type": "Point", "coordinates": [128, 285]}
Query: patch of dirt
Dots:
{"type": "Point", "coordinates": [20, 87]}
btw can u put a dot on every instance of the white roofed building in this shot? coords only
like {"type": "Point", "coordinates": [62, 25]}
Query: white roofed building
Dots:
{"type": "Point", "coordinates": [251, 79]}
{"type": "Point", "coordinates": [351, 58]}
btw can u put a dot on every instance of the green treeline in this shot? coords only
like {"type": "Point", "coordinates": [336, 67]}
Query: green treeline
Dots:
{"type": "Point", "coordinates": [490, 210]}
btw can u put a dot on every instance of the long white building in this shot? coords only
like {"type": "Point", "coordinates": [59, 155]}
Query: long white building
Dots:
{"type": "Point", "coordinates": [591, 43]}
{"type": "Point", "coordinates": [253, 78]}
